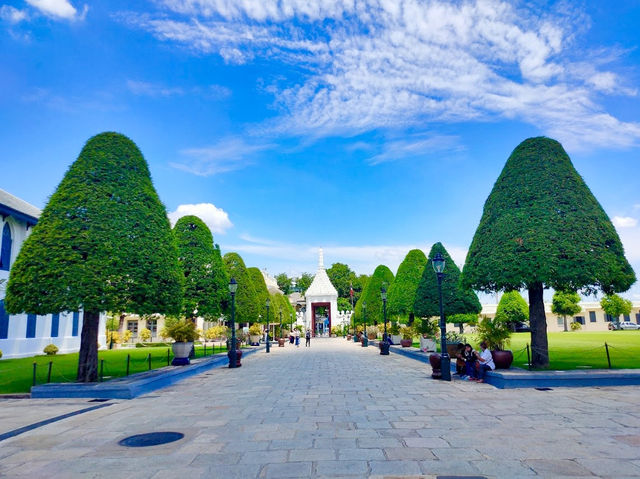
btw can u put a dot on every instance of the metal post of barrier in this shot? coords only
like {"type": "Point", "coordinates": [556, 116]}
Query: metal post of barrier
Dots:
{"type": "Point", "coordinates": [35, 365]}
{"type": "Point", "coordinates": [528, 357]}
{"type": "Point", "coordinates": [168, 359]}
{"type": "Point", "coordinates": [101, 369]}
{"type": "Point", "coordinates": [606, 347]}
{"type": "Point", "coordinates": [49, 372]}
{"type": "Point", "coordinates": [149, 360]}
{"type": "Point", "coordinates": [128, 362]}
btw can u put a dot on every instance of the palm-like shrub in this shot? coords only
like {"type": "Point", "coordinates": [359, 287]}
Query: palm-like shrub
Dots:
{"type": "Point", "coordinates": [495, 332]}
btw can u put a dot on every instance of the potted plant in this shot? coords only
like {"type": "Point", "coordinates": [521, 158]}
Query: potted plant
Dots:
{"type": "Point", "coordinates": [372, 332]}
{"type": "Point", "coordinates": [428, 332]}
{"type": "Point", "coordinates": [255, 332]}
{"type": "Point", "coordinates": [407, 334]}
{"type": "Point", "coordinates": [496, 333]}
{"type": "Point", "coordinates": [284, 333]}
{"type": "Point", "coordinates": [183, 332]}
{"type": "Point", "coordinates": [454, 339]}
{"type": "Point", "coordinates": [394, 331]}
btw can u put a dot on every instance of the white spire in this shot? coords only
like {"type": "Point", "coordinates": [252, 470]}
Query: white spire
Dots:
{"type": "Point", "coordinates": [321, 260]}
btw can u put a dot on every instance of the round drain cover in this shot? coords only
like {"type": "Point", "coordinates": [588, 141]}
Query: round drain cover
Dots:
{"type": "Point", "coordinates": [151, 439]}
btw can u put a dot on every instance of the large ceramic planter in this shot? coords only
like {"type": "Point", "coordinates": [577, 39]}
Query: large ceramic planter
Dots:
{"type": "Point", "coordinates": [364, 341]}
{"type": "Point", "coordinates": [427, 344]}
{"type": "Point", "coordinates": [436, 369]}
{"type": "Point", "coordinates": [348, 337]}
{"type": "Point", "coordinates": [384, 348]}
{"type": "Point", "coordinates": [372, 335]}
{"type": "Point", "coordinates": [502, 359]}
{"type": "Point", "coordinates": [406, 343]}
{"type": "Point", "coordinates": [281, 342]}
{"type": "Point", "coordinates": [181, 351]}
{"type": "Point", "coordinates": [452, 349]}
{"type": "Point", "coordinates": [238, 357]}
{"type": "Point", "coordinates": [396, 338]}
{"type": "Point", "coordinates": [254, 339]}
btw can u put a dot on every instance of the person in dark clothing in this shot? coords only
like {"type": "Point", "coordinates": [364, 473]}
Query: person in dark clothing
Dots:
{"type": "Point", "coordinates": [307, 338]}
{"type": "Point", "coordinates": [469, 357]}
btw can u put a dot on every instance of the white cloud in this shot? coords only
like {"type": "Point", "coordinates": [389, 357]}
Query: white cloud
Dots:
{"type": "Point", "coordinates": [624, 222]}
{"type": "Point", "coordinates": [415, 146]}
{"type": "Point", "coordinates": [215, 218]}
{"type": "Point", "coordinates": [379, 63]}
{"type": "Point", "coordinates": [59, 9]}
{"type": "Point", "coordinates": [227, 155]}
{"type": "Point", "coordinates": [12, 15]}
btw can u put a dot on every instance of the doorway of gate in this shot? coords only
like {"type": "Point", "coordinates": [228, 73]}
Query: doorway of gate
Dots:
{"type": "Point", "coordinates": [321, 319]}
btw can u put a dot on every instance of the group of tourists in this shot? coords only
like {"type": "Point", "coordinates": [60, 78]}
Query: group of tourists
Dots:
{"type": "Point", "coordinates": [294, 337]}
{"type": "Point", "coordinates": [473, 365]}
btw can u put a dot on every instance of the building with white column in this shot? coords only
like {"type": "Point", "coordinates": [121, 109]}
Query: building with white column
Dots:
{"type": "Point", "coordinates": [321, 294]}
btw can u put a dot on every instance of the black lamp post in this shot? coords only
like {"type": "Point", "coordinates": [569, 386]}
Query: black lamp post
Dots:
{"type": "Point", "coordinates": [280, 323]}
{"type": "Point", "coordinates": [445, 362]}
{"type": "Point", "coordinates": [365, 340]}
{"type": "Point", "coordinates": [291, 317]}
{"type": "Point", "coordinates": [384, 345]}
{"type": "Point", "coordinates": [233, 287]}
{"type": "Point", "coordinates": [267, 304]}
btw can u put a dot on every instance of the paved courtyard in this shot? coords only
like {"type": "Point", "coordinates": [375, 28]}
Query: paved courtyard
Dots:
{"type": "Point", "coordinates": [332, 410]}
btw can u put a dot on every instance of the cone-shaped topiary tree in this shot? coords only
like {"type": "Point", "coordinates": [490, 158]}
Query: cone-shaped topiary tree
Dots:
{"type": "Point", "coordinates": [542, 227]}
{"type": "Point", "coordinates": [371, 294]}
{"type": "Point", "coordinates": [402, 292]}
{"type": "Point", "coordinates": [246, 299]}
{"type": "Point", "coordinates": [206, 282]}
{"type": "Point", "coordinates": [103, 243]}
{"type": "Point", "coordinates": [512, 308]}
{"type": "Point", "coordinates": [262, 293]}
{"type": "Point", "coordinates": [456, 300]}
{"type": "Point", "coordinates": [565, 303]}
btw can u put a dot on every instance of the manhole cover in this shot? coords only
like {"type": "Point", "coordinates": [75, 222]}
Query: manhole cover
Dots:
{"type": "Point", "coordinates": [151, 439]}
{"type": "Point", "coordinates": [543, 389]}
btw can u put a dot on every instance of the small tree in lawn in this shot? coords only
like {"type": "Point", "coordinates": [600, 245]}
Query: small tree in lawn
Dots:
{"type": "Point", "coordinates": [512, 309]}
{"type": "Point", "coordinates": [565, 303]}
{"type": "Point", "coordinates": [246, 300]}
{"type": "Point", "coordinates": [459, 303]}
{"type": "Point", "coordinates": [206, 281]}
{"type": "Point", "coordinates": [615, 305]}
{"type": "Point", "coordinates": [402, 292]}
{"type": "Point", "coordinates": [371, 294]}
{"type": "Point", "coordinates": [542, 227]}
{"type": "Point", "coordinates": [103, 243]}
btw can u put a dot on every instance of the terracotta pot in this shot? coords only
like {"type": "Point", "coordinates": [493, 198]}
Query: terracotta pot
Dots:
{"type": "Point", "coordinates": [238, 357]}
{"type": "Point", "coordinates": [348, 337]}
{"type": "Point", "coordinates": [502, 359]}
{"type": "Point", "coordinates": [406, 343]}
{"type": "Point", "coordinates": [434, 361]}
{"type": "Point", "coordinates": [281, 342]}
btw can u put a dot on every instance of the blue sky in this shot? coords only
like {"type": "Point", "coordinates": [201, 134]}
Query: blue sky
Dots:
{"type": "Point", "coordinates": [366, 127]}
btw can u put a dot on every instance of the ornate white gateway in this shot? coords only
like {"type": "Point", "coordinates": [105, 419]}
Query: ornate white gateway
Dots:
{"type": "Point", "coordinates": [322, 302]}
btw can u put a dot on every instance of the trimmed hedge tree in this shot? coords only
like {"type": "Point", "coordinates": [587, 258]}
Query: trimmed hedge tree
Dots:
{"type": "Point", "coordinates": [246, 298]}
{"type": "Point", "coordinates": [456, 300]}
{"type": "Point", "coordinates": [371, 294]}
{"type": "Point", "coordinates": [206, 282]}
{"type": "Point", "coordinates": [402, 292]}
{"type": "Point", "coordinates": [262, 293]}
{"type": "Point", "coordinates": [542, 227]}
{"type": "Point", "coordinates": [103, 243]}
{"type": "Point", "coordinates": [512, 308]}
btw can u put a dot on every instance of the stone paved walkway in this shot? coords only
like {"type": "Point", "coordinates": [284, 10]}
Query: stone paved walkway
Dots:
{"type": "Point", "coordinates": [335, 410]}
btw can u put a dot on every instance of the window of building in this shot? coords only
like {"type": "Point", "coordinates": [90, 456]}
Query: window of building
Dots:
{"type": "Point", "coordinates": [133, 327]}
{"type": "Point", "coordinates": [627, 318]}
{"type": "Point", "coordinates": [5, 249]}
{"type": "Point", "coordinates": [4, 322]}
{"type": "Point", "coordinates": [55, 325]}
{"type": "Point", "coordinates": [638, 318]}
{"type": "Point", "coordinates": [608, 318]}
{"type": "Point", "coordinates": [75, 324]}
{"type": "Point", "coordinates": [560, 321]}
{"type": "Point", "coordinates": [31, 325]}
{"type": "Point", "coordinates": [152, 325]}
{"type": "Point", "coordinates": [579, 319]}
{"type": "Point", "coordinates": [592, 316]}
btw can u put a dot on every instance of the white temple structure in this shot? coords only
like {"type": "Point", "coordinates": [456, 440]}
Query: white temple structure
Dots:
{"type": "Point", "coordinates": [321, 294]}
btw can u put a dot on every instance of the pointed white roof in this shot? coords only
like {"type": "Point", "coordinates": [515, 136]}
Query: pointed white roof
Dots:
{"type": "Point", "coordinates": [321, 284]}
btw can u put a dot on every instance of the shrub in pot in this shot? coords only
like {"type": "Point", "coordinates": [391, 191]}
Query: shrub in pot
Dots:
{"type": "Point", "coordinates": [394, 332]}
{"type": "Point", "coordinates": [497, 334]}
{"type": "Point", "coordinates": [183, 332]}
{"type": "Point", "coordinates": [428, 330]}
{"type": "Point", "coordinates": [407, 334]}
{"type": "Point", "coordinates": [255, 332]}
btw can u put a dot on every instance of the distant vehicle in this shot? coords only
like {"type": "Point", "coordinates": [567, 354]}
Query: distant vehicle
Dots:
{"type": "Point", "coordinates": [613, 325]}
{"type": "Point", "coordinates": [629, 325]}
{"type": "Point", "coordinates": [522, 328]}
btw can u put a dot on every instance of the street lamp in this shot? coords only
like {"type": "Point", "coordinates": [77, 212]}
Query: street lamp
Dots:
{"type": "Point", "coordinates": [445, 362]}
{"type": "Point", "coordinates": [384, 345]}
{"type": "Point", "coordinates": [267, 304]}
{"type": "Point", "coordinates": [280, 323]}
{"type": "Point", "coordinates": [233, 287]}
{"type": "Point", "coordinates": [365, 340]}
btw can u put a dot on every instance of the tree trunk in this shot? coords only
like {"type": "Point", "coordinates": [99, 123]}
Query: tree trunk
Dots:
{"type": "Point", "coordinates": [538, 323]}
{"type": "Point", "coordinates": [564, 319]}
{"type": "Point", "coordinates": [88, 357]}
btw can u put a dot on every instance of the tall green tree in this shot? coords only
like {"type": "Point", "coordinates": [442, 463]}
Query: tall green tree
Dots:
{"type": "Point", "coordinates": [103, 243]}
{"type": "Point", "coordinates": [456, 300]}
{"type": "Point", "coordinates": [371, 294]}
{"type": "Point", "coordinates": [342, 278]}
{"type": "Point", "coordinates": [246, 298]}
{"type": "Point", "coordinates": [284, 283]}
{"type": "Point", "coordinates": [304, 281]}
{"type": "Point", "coordinates": [565, 303]}
{"type": "Point", "coordinates": [262, 293]}
{"type": "Point", "coordinates": [281, 304]}
{"type": "Point", "coordinates": [205, 279]}
{"type": "Point", "coordinates": [615, 305]}
{"type": "Point", "coordinates": [542, 227]}
{"type": "Point", "coordinates": [402, 292]}
{"type": "Point", "coordinates": [512, 309]}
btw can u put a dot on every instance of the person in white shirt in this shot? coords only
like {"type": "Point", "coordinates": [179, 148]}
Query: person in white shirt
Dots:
{"type": "Point", "coordinates": [486, 363]}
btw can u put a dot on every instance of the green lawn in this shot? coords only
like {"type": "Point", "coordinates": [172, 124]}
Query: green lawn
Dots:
{"type": "Point", "coordinates": [16, 375]}
{"type": "Point", "coordinates": [580, 350]}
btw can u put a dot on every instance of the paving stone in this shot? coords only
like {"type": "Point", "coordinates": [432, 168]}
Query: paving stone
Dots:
{"type": "Point", "coordinates": [430, 442]}
{"type": "Point", "coordinates": [610, 467]}
{"type": "Point", "coordinates": [558, 467]}
{"type": "Point", "coordinates": [411, 453]}
{"type": "Point", "coordinates": [395, 468]}
{"type": "Point", "coordinates": [364, 454]}
{"type": "Point", "coordinates": [343, 468]}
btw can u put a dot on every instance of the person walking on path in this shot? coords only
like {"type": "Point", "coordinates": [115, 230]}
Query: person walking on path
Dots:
{"type": "Point", "coordinates": [307, 337]}
{"type": "Point", "coordinates": [486, 363]}
{"type": "Point", "coordinates": [297, 338]}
